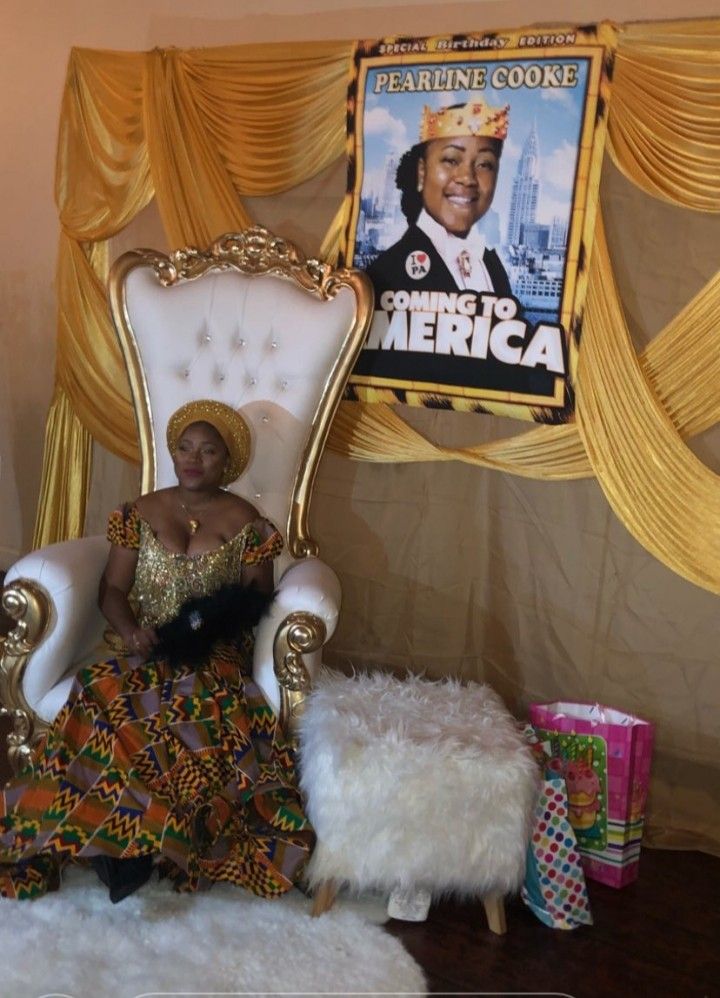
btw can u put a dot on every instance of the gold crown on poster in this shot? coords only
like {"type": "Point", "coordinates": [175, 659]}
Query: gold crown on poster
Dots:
{"type": "Point", "coordinates": [474, 118]}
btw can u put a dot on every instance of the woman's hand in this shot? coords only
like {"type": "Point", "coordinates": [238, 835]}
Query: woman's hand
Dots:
{"type": "Point", "coordinates": [141, 641]}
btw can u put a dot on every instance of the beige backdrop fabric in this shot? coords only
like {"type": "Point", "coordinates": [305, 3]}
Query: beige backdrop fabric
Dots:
{"type": "Point", "coordinates": [534, 587]}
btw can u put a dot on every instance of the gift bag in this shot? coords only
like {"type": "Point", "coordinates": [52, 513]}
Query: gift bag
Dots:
{"type": "Point", "coordinates": [604, 756]}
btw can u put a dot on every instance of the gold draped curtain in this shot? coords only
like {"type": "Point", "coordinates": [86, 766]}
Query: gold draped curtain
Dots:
{"type": "Point", "coordinates": [200, 129]}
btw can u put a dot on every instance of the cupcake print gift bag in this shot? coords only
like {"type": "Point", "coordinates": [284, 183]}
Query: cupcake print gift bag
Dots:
{"type": "Point", "coordinates": [604, 755]}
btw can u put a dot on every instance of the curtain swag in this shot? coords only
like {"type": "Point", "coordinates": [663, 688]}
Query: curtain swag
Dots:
{"type": "Point", "coordinates": [200, 129]}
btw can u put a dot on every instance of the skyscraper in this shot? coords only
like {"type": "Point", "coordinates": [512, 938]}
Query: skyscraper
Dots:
{"type": "Point", "coordinates": [558, 233]}
{"type": "Point", "coordinates": [389, 192]}
{"type": "Point", "coordinates": [526, 185]}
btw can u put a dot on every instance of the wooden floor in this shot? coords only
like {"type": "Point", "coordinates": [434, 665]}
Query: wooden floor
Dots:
{"type": "Point", "coordinates": [659, 938]}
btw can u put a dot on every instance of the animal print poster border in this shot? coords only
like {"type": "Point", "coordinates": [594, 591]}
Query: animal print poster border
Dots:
{"type": "Point", "coordinates": [474, 167]}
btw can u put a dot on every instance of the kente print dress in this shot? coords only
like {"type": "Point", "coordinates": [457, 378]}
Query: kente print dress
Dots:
{"type": "Point", "coordinates": [184, 764]}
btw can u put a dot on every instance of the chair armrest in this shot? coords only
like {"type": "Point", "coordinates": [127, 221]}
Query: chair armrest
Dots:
{"type": "Point", "coordinates": [308, 586]}
{"type": "Point", "coordinates": [67, 576]}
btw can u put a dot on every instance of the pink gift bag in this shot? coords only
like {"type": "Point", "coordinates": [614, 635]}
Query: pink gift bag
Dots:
{"type": "Point", "coordinates": [604, 755]}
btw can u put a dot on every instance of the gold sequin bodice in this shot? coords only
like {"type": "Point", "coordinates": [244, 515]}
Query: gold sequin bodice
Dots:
{"type": "Point", "coordinates": [164, 579]}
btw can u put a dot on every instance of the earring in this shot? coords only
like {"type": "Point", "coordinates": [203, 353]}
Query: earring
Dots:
{"type": "Point", "coordinates": [420, 186]}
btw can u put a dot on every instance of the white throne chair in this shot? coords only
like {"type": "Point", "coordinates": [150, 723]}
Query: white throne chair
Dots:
{"type": "Point", "coordinates": [252, 323]}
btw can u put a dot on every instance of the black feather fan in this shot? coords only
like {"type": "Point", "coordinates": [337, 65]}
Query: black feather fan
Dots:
{"type": "Point", "coordinates": [204, 621]}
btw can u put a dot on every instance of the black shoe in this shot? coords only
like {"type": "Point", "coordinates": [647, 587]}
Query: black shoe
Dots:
{"type": "Point", "coordinates": [122, 876]}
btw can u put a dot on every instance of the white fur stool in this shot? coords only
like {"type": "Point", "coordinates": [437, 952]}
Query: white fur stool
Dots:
{"type": "Point", "coordinates": [413, 784]}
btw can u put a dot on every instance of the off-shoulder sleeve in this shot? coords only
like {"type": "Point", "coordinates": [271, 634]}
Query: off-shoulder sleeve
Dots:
{"type": "Point", "coordinates": [124, 527]}
{"type": "Point", "coordinates": [264, 543]}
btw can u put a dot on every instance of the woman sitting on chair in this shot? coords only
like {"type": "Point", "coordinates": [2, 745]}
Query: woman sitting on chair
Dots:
{"type": "Point", "coordinates": [169, 751]}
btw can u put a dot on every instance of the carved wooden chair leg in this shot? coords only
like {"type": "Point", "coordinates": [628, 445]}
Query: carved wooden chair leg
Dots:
{"type": "Point", "coordinates": [324, 898]}
{"type": "Point", "coordinates": [495, 911]}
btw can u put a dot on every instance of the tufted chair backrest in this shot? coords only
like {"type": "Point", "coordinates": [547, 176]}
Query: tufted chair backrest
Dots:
{"type": "Point", "coordinates": [251, 323]}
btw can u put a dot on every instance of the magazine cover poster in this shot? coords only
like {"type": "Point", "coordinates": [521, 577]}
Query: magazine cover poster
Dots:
{"type": "Point", "coordinates": [472, 188]}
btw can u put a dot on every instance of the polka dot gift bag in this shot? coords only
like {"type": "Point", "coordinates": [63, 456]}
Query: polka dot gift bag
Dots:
{"type": "Point", "coordinates": [554, 887]}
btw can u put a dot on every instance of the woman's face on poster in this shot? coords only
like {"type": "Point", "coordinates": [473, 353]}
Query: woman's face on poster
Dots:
{"type": "Point", "coordinates": [458, 177]}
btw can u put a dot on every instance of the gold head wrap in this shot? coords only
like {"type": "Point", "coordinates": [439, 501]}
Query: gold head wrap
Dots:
{"type": "Point", "coordinates": [227, 421]}
{"type": "Point", "coordinates": [476, 118]}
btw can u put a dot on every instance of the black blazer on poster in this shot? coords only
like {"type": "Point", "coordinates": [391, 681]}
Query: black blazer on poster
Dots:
{"type": "Point", "coordinates": [388, 270]}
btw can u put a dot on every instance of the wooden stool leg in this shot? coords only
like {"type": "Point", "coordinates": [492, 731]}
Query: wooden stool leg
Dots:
{"type": "Point", "coordinates": [324, 898]}
{"type": "Point", "coordinates": [495, 912]}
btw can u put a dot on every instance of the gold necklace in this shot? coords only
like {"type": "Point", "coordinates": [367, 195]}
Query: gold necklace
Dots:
{"type": "Point", "coordinates": [193, 522]}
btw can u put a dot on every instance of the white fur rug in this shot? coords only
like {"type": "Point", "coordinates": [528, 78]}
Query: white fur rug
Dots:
{"type": "Point", "coordinates": [76, 943]}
